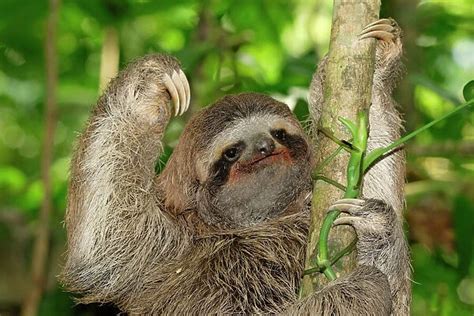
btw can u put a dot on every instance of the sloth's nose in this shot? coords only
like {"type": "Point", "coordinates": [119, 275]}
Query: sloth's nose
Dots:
{"type": "Point", "coordinates": [265, 146]}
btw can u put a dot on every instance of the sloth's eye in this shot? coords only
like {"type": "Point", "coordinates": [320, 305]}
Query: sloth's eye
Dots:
{"type": "Point", "coordinates": [231, 154]}
{"type": "Point", "coordinates": [279, 134]}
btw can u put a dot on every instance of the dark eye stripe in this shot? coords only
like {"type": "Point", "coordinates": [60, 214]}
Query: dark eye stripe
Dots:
{"type": "Point", "coordinates": [221, 168]}
{"type": "Point", "coordinates": [279, 134]}
{"type": "Point", "coordinates": [296, 144]}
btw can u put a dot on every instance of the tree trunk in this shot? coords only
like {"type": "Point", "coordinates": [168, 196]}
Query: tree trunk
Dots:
{"type": "Point", "coordinates": [41, 245]}
{"type": "Point", "coordinates": [347, 89]}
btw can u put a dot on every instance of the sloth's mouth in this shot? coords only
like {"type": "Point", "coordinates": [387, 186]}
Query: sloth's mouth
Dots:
{"type": "Point", "coordinates": [279, 155]}
{"type": "Point", "coordinates": [259, 159]}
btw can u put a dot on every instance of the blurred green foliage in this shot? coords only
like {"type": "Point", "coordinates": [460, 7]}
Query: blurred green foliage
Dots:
{"type": "Point", "coordinates": [229, 46]}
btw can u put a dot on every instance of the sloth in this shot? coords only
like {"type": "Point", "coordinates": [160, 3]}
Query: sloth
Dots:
{"type": "Point", "coordinates": [223, 228]}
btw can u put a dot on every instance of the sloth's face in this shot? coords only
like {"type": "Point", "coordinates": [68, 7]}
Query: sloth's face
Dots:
{"type": "Point", "coordinates": [259, 165]}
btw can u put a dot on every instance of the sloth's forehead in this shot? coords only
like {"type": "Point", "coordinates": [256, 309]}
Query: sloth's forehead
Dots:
{"type": "Point", "coordinates": [245, 127]}
{"type": "Point", "coordinates": [255, 124]}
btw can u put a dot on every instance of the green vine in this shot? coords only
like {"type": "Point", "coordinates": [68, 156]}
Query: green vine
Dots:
{"type": "Point", "coordinates": [354, 179]}
{"type": "Point", "coordinates": [359, 163]}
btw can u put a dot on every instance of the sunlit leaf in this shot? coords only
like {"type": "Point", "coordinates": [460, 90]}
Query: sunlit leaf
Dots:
{"type": "Point", "coordinates": [32, 198]}
{"type": "Point", "coordinates": [468, 91]}
{"type": "Point", "coordinates": [11, 179]}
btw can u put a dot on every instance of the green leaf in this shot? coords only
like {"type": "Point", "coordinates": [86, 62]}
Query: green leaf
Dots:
{"type": "Point", "coordinates": [12, 179]}
{"type": "Point", "coordinates": [371, 157]}
{"type": "Point", "coordinates": [379, 152]}
{"type": "Point", "coordinates": [468, 91]}
{"type": "Point", "coordinates": [351, 126]}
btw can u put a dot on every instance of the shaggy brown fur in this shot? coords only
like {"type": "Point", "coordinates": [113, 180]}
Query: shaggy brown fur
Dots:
{"type": "Point", "coordinates": [176, 244]}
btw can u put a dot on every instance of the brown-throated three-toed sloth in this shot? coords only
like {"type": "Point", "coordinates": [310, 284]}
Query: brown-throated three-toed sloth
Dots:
{"type": "Point", "coordinates": [223, 229]}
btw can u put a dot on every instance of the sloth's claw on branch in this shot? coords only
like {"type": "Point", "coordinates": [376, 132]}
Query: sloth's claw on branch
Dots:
{"type": "Point", "coordinates": [347, 205]}
{"type": "Point", "coordinates": [383, 29]}
{"type": "Point", "coordinates": [388, 21]}
{"type": "Point", "coordinates": [178, 86]}
{"type": "Point", "coordinates": [346, 220]}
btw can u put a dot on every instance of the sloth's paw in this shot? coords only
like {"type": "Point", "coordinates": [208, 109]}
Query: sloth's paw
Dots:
{"type": "Point", "coordinates": [388, 34]}
{"type": "Point", "coordinates": [151, 87]}
{"type": "Point", "coordinates": [369, 217]}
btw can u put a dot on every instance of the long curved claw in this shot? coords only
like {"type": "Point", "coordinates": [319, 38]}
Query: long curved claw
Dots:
{"type": "Point", "coordinates": [350, 206]}
{"type": "Point", "coordinates": [377, 27]}
{"type": "Point", "coordinates": [383, 29]}
{"type": "Point", "coordinates": [178, 87]}
{"type": "Point", "coordinates": [187, 90]}
{"type": "Point", "coordinates": [346, 220]}
{"type": "Point", "coordinates": [181, 92]}
{"type": "Point", "coordinates": [170, 85]}
{"type": "Point", "coordinates": [380, 21]}
{"type": "Point", "coordinates": [381, 35]}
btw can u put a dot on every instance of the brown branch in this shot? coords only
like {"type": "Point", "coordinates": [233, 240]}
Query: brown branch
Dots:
{"type": "Point", "coordinates": [201, 35]}
{"type": "Point", "coordinates": [41, 245]}
{"type": "Point", "coordinates": [109, 57]}
{"type": "Point", "coordinates": [347, 89]}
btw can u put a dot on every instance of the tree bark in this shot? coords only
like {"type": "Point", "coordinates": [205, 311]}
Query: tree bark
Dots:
{"type": "Point", "coordinates": [347, 89]}
{"type": "Point", "coordinates": [41, 245]}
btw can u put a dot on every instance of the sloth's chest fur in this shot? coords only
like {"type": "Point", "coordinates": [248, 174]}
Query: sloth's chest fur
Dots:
{"type": "Point", "coordinates": [248, 271]}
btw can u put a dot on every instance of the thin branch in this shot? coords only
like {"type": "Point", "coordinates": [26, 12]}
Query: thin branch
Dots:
{"type": "Point", "coordinates": [347, 250]}
{"type": "Point", "coordinates": [463, 149]}
{"type": "Point", "coordinates": [109, 57]}
{"type": "Point", "coordinates": [330, 181]}
{"type": "Point", "coordinates": [342, 143]}
{"type": "Point", "coordinates": [41, 245]}
{"type": "Point", "coordinates": [379, 152]}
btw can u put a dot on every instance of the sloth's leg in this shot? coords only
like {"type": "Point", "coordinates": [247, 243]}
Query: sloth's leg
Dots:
{"type": "Point", "coordinates": [381, 244]}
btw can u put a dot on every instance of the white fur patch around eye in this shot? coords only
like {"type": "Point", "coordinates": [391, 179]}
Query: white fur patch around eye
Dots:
{"type": "Point", "coordinates": [258, 123]}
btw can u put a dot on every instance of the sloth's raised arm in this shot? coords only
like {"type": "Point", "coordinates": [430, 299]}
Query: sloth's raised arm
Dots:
{"type": "Point", "coordinates": [116, 229]}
